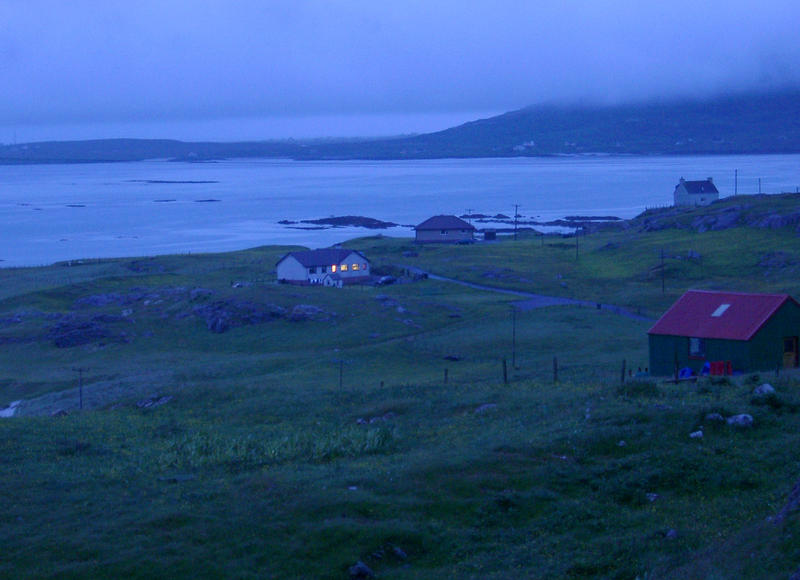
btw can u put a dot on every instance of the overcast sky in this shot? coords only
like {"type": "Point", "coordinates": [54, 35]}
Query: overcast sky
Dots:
{"type": "Point", "coordinates": [255, 69]}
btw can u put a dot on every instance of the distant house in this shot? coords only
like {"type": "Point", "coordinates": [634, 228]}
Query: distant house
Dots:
{"type": "Point", "coordinates": [444, 229]}
{"type": "Point", "coordinates": [694, 193]}
{"type": "Point", "coordinates": [751, 331]}
{"type": "Point", "coordinates": [329, 267]}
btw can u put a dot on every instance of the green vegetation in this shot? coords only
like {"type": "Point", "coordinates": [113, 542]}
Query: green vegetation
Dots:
{"type": "Point", "coordinates": [325, 427]}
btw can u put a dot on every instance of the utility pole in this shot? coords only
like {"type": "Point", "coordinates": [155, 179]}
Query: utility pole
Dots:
{"type": "Point", "coordinates": [577, 237]}
{"type": "Point", "coordinates": [516, 214]}
{"type": "Point", "coordinates": [80, 371]}
{"type": "Point", "coordinates": [662, 270]}
{"type": "Point", "coordinates": [469, 215]}
{"type": "Point", "coordinates": [735, 182]}
{"type": "Point", "coordinates": [513, 338]}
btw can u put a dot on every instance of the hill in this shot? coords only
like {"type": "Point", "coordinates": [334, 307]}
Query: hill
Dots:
{"type": "Point", "coordinates": [739, 124]}
{"type": "Point", "coordinates": [183, 409]}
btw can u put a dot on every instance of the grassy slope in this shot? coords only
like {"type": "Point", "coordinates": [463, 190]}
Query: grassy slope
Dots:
{"type": "Point", "coordinates": [258, 466]}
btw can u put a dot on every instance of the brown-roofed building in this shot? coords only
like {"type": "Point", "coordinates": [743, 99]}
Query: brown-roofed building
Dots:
{"type": "Point", "coordinates": [444, 229]}
{"type": "Point", "coordinates": [694, 193]}
{"type": "Point", "coordinates": [752, 331]}
{"type": "Point", "coordinates": [329, 267]}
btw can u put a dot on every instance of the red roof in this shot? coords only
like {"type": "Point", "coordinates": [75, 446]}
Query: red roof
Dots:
{"type": "Point", "coordinates": [726, 315]}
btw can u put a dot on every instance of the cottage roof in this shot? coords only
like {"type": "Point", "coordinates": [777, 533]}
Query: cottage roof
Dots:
{"type": "Point", "coordinates": [699, 187]}
{"type": "Point", "coordinates": [725, 315]}
{"type": "Point", "coordinates": [324, 257]}
{"type": "Point", "coordinates": [445, 222]}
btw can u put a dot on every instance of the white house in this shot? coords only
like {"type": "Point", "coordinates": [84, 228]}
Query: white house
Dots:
{"type": "Point", "coordinates": [329, 267]}
{"type": "Point", "coordinates": [694, 193]}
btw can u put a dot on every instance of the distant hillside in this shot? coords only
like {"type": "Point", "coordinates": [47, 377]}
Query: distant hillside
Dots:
{"type": "Point", "coordinates": [737, 124]}
{"type": "Point", "coordinates": [741, 124]}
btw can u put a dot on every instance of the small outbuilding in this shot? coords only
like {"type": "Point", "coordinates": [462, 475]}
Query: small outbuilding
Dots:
{"type": "Point", "coordinates": [694, 193]}
{"type": "Point", "coordinates": [444, 229]}
{"type": "Point", "coordinates": [750, 331]}
{"type": "Point", "coordinates": [329, 267]}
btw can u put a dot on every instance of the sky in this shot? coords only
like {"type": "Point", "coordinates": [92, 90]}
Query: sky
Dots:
{"type": "Point", "coordinates": [261, 69]}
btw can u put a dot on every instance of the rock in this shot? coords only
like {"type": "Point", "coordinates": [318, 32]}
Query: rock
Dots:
{"type": "Point", "coordinates": [361, 570]}
{"type": "Point", "coordinates": [651, 497]}
{"type": "Point", "coordinates": [485, 408]}
{"type": "Point", "coordinates": [671, 534]}
{"type": "Point", "coordinates": [742, 421]}
{"type": "Point", "coordinates": [71, 333]}
{"type": "Point", "coordinates": [696, 434]}
{"type": "Point", "coordinates": [200, 293]}
{"type": "Point", "coordinates": [222, 315]}
{"type": "Point", "coordinates": [715, 418]}
{"type": "Point", "coordinates": [303, 312]}
{"type": "Point", "coordinates": [764, 390]}
{"type": "Point", "coordinates": [153, 402]}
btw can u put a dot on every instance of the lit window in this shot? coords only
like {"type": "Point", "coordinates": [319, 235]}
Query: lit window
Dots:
{"type": "Point", "coordinates": [344, 267]}
{"type": "Point", "coordinates": [697, 347]}
{"type": "Point", "coordinates": [333, 268]}
{"type": "Point", "coordinates": [355, 267]}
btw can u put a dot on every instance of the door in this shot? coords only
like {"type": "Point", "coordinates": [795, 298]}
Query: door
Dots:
{"type": "Point", "coordinates": [789, 352]}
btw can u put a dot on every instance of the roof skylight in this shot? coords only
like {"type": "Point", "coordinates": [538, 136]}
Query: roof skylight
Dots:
{"type": "Point", "coordinates": [720, 310]}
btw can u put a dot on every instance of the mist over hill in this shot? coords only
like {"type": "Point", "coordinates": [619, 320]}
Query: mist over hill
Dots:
{"type": "Point", "coordinates": [739, 124]}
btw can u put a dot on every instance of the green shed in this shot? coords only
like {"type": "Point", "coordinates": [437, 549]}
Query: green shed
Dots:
{"type": "Point", "coordinates": [751, 331]}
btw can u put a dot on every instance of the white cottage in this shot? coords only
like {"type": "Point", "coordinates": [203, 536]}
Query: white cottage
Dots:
{"type": "Point", "coordinates": [329, 267]}
{"type": "Point", "coordinates": [694, 193]}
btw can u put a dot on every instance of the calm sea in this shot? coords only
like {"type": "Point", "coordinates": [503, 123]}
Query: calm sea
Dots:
{"type": "Point", "coordinates": [63, 212]}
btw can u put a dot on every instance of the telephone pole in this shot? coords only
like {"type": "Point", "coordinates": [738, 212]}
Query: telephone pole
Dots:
{"type": "Point", "coordinates": [80, 371]}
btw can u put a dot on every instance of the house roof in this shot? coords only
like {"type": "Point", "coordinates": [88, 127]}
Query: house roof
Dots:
{"type": "Point", "coordinates": [698, 187]}
{"type": "Point", "coordinates": [725, 315]}
{"type": "Point", "coordinates": [445, 222]}
{"type": "Point", "coordinates": [324, 257]}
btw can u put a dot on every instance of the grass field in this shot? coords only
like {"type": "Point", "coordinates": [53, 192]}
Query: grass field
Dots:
{"type": "Point", "coordinates": [379, 426]}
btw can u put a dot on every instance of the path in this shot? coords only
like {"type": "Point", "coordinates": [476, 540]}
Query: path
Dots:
{"type": "Point", "coordinates": [535, 300]}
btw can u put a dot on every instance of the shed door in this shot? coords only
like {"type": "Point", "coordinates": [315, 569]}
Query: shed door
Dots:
{"type": "Point", "coordinates": [789, 352]}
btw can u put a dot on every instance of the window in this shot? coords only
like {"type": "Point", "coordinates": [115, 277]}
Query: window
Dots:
{"type": "Point", "coordinates": [697, 347]}
{"type": "Point", "coordinates": [343, 267]}
{"type": "Point", "coordinates": [720, 311]}
{"type": "Point", "coordinates": [333, 268]}
{"type": "Point", "coordinates": [355, 267]}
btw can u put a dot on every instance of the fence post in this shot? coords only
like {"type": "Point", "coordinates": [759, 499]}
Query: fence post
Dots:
{"type": "Point", "coordinates": [505, 372]}
{"type": "Point", "coordinates": [555, 369]}
{"type": "Point", "coordinates": [622, 378]}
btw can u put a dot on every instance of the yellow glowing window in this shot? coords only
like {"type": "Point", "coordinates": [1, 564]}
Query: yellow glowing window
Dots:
{"type": "Point", "coordinates": [344, 267]}
{"type": "Point", "coordinates": [355, 267]}
{"type": "Point", "coordinates": [333, 268]}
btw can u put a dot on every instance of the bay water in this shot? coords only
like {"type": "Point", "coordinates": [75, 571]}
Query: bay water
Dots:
{"type": "Point", "coordinates": [62, 212]}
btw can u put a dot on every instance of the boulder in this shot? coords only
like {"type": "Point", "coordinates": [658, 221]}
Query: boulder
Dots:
{"type": "Point", "coordinates": [360, 570]}
{"type": "Point", "coordinates": [715, 418]}
{"type": "Point", "coordinates": [222, 315]}
{"type": "Point", "coordinates": [303, 312]}
{"type": "Point", "coordinates": [743, 421]}
{"type": "Point", "coordinates": [764, 390]}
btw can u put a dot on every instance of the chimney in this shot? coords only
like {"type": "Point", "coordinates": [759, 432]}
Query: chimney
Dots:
{"type": "Point", "coordinates": [711, 180]}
